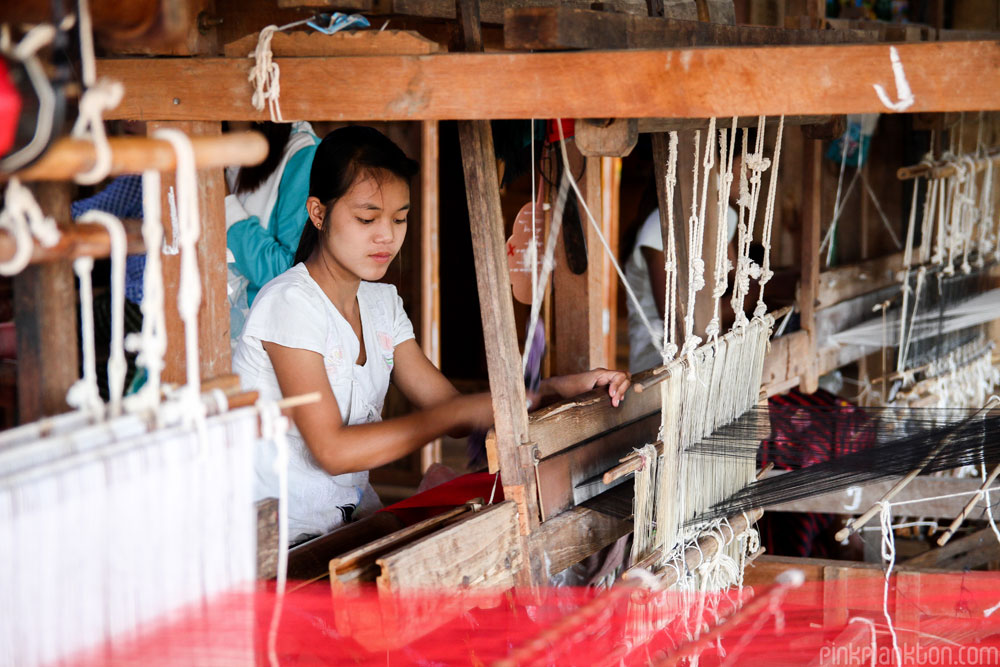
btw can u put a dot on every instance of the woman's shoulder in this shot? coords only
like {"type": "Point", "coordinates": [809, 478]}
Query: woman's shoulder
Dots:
{"type": "Point", "coordinates": [294, 284]}
{"type": "Point", "coordinates": [378, 291]}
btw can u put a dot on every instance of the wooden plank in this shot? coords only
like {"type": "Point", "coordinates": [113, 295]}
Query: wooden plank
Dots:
{"type": "Point", "coordinates": [785, 361]}
{"type": "Point", "coordinates": [345, 43]}
{"type": "Point", "coordinates": [974, 550]}
{"type": "Point", "coordinates": [858, 498]}
{"type": "Point", "coordinates": [575, 534]}
{"type": "Point", "coordinates": [704, 82]}
{"type": "Point", "coordinates": [312, 559]}
{"type": "Point", "coordinates": [267, 538]}
{"type": "Point", "coordinates": [846, 282]}
{"type": "Point", "coordinates": [482, 550]}
{"type": "Point", "coordinates": [574, 420]}
{"type": "Point", "coordinates": [45, 319]}
{"type": "Point", "coordinates": [215, 350]}
{"type": "Point", "coordinates": [812, 171]}
{"type": "Point", "coordinates": [645, 33]}
{"type": "Point", "coordinates": [493, 11]}
{"type": "Point", "coordinates": [680, 124]}
{"type": "Point", "coordinates": [577, 304]}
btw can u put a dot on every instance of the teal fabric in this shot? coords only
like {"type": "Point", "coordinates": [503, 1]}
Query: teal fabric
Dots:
{"type": "Point", "coordinates": [262, 254]}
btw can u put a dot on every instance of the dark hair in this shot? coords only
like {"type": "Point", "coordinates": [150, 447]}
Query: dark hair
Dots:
{"type": "Point", "coordinates": [249, 179]}
{"type": "Point", "coordinates": [340, 157]}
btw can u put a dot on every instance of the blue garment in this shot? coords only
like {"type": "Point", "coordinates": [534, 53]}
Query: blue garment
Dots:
{"type": "Point", "coordinates": [263, 254]}
{"type": "Point", "coordinates": [122, 199]}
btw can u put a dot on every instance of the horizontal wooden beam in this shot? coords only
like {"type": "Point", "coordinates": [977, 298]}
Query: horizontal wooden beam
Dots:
{"type": "Point", "coordinates": [132, 155]}
{"type": "Point", "coordinates": [674, 83]}
{"type": "Point", "coordinates": [575, 534]}
{"type": "Point", "coordinates": [83, 239]}
{"type": "Point", "coordinates": [549, 28]}
{"type": "Point", "coordinates": [857, 499]}
{"type": "Point", "coordinates": [852, 280]}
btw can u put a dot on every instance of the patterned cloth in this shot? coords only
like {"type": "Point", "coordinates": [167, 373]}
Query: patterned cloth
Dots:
{"type": "Point", "coordinates": [123, 199]}
{"type": "Point", "coordinates": [799, 533]}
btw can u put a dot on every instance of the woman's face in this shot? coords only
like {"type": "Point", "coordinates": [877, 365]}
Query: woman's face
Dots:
{"type": "Point", "coordinates": [366, 226]}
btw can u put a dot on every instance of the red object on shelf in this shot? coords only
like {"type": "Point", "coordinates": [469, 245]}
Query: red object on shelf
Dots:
{"type": "Point", "coordinates": [10, 108]}
{"type": "Point", "coordinates": [552, 130]}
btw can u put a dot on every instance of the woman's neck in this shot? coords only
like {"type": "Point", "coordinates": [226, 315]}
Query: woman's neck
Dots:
{"type": "Point", "coordinates": [340, 286]}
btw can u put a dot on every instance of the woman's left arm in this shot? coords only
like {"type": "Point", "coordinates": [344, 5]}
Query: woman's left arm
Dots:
{"type": "Point", "coordinates": [419, 380]}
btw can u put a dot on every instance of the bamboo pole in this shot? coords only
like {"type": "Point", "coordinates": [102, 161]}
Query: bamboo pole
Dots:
{"type": "Point", "coordinates": [76, 240]}
{"type": "Point", "coordinates": [944, 169]}
{"type": "Point", "coordinates": [132, 155]}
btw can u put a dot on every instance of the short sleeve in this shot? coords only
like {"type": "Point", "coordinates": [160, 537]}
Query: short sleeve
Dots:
{"type": "Point", "coordinates": [289, 315]}
{"type": "Point", "coordinates": [650, 235]}
{"type": "Point", "coordinates": [402, 328]}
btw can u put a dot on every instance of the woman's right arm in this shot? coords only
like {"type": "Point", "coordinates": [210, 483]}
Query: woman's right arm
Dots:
{"type": "Point", "coordinates": [340, 448]}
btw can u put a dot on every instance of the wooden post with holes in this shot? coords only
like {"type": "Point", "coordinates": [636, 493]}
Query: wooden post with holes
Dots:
{"type": "Point", "coordinates": [213, 315]}
{"type": "Point", "coordinates": [45, 319]}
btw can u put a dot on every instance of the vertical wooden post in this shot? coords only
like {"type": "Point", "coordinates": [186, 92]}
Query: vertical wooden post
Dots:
{"type": "Point", "coordinates": [48, 357]}
{"type": "Point", "coordinates": [213, 315]}
{"type": "Point", "coordinates": [812, 155]}
{"type": "Point", "coordinates": [430, 300]}
{"type": "Point", "coordinates": [496, 305]}
{"type": "Point", "coordinates": [577, 297]}
{"type": "Point", "coordinates": [611, 171]}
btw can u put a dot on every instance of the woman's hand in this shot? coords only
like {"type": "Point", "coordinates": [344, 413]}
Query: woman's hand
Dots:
{"type": "Point", "coordinates": [566, 386]}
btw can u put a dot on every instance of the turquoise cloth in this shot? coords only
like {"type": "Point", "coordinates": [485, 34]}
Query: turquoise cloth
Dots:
{"type": "Point", "coordinates": [262, 254]}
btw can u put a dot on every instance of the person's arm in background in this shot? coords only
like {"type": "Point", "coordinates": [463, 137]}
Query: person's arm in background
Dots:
{"type": "Point", "coordinates": [261, 254]}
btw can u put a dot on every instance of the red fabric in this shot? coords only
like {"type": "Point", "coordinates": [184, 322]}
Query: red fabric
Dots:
{"type": "Point", "coordinates": [10, 109]}
{"type": "Point", "coordinates": [445, 496]}
{"type": "Point", "coordinates": [552, 130]}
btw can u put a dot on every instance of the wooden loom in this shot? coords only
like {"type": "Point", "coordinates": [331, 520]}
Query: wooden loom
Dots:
{"type": "Point", "coordinates": [540, 528]}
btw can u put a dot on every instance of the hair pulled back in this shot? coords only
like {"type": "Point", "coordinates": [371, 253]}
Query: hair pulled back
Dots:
{"type": "Point", "coordinates": [341, 157]}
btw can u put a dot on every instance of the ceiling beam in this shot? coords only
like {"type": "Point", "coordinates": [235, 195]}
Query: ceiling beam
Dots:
{"type": "Point", "coordinates": [658, 83]}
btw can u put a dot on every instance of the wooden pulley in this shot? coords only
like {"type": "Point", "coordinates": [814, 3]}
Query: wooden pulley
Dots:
{"type": "Point", "coordinates": [519, 250]}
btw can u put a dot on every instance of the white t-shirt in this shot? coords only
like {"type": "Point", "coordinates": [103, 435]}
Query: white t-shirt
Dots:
{"type": "Point", "coordinates": [292, 310]}
{"type": "Point", "coordinates": [642, 353]}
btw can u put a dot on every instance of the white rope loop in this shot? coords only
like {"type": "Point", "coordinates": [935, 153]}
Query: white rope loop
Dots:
{"type": "Point", "coordinates": [265, 77]}
{"type": "Point", "coordinates": [151, 343]}
{"type": "Point", "coordinates": [117, 367]}
{"type": "Point", "coordinates": [188, 229]}
{"type": "Point", "coordinates": [84, 394]}
{"type": "Point", "coordinates": [23, 218]}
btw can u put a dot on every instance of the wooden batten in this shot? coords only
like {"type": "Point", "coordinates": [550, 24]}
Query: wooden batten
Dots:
{"type": "Point", "coordinates": [482, 550]}
{"type": "Point", "coordinates": [575, 534]}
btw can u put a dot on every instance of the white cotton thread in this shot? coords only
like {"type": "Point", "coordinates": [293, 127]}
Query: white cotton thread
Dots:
{"type": "Point", "coordinates": [98, 97]}
{"type": "Point", "coordinates": [23, 218]}
{"type": "Point", "coordinates": [765, 271]}
{"type": "Point", "coordinates": [265, 77]}
{"type": "Point", "coordinates": [873, 646]}
{"type": "Point", "coordinates": [151, 343]}
{"type": "Point", "coordinates": [117, 367]}
{"type": "Point", "coordinates": [83, 394]}
{"type": "Point", "coordinates": [188, 229]}
{"type": "Point", "coordinates": [904, 93]}
{"type": "Point", "coordinates": [889, 557]}
{"type": "Point", "coordinates": [274, 427]}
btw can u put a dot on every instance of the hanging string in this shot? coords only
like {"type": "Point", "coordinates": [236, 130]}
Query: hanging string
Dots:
{"type": "Point", "coordinates": [23, 219]}
{"type": "Point", "coordinates": [84, 394]}
{"type": "Point", "coordinates": [722, 265]}
{"type": "Point", "coordinates": [187, 232]}
{"type": "Point", "coordinates": [265, 77]}
{"type": "Point", "coordinates": [98, 97]}
{"type": "Point", "coordinates": [150, 344]}
{"type": "Point", "coordinates": [670, 259]}
{"type": "Point", "coordinates": [765, 272]}
{"type": "Point", "coordinates": [117, 366]}
{"type": "Point", "coordinates": [653, 334]}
